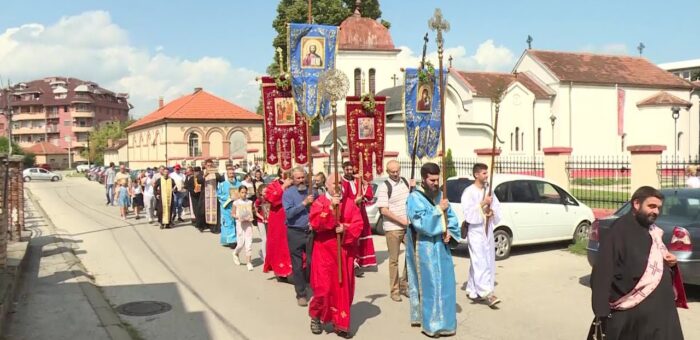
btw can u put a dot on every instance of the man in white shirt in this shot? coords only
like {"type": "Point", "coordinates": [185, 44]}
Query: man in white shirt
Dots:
{"type": "Point", "coordinates": [391, 201]}
{"type": "Point", "coordinates": [693, 181]}
{"type": "Point", "coordinates": [149, 200]}
{"type": "Point", "coordinates": [180, 191]}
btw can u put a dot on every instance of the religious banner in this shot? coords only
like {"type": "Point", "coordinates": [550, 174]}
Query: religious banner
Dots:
{"type": "Point", "coordinates": [285, 130]}
{"type": "Point", "coordinates": [311, 51]}
{"type": "Point", "coordinates": [365, 128]}
{"type": "Point", "coordinates": [422, 110]}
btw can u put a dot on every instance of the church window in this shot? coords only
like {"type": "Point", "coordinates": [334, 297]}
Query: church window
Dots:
{"type": "Point", "coordinates": [238, 144]}
{"type": "Point", "coordinates": [193, 145]}
{"type": "Point", "coordinates": [372, 76]}
{"type": "Point", "coordinates": [517, 140]}
{"type": "Point", "coordinates": [539, 139]}
{"type": "Point", "coordinates": [358, 82]}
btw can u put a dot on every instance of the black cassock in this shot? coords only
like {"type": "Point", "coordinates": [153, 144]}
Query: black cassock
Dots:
{"type": "Point", "coordinates": [622, 259]}
{"type": "Point", "coordinates": [194, 197]}
{"type": "Point", "coordinates": [157, 191]}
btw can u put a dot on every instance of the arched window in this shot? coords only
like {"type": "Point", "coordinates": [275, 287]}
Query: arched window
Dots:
{"type": "Point", "coordinates": [372, 76]}
{"type": "Point", "coordinates": [193, 145]}
{"type": "Point", "coordinates": [239, 145]}
{"type": "Point", "coordinates": [358, 82]}
{"type": "Point", "coordinates": [517, 140]}
{"type": "Point", "coordinates": [539, 139]}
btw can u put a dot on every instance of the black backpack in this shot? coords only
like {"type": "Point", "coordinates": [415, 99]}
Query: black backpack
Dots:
{"type": "Point", "coordinates": [389, 186]}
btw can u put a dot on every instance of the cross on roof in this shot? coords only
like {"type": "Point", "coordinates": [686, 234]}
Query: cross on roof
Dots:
{"type": "Point", "coordinates": [529, 42]}
{"type": "Point", "coordinates": [394, 78]}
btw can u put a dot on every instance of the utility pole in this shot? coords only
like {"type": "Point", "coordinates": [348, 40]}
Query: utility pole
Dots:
{"type": "Point", "coordinates": [8, 114]}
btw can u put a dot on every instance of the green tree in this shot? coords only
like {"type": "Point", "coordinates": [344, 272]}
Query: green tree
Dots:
{"type": "Point", "coordinates": [29, 158]}
{"type": "Point", "coordinates": [99, 138]}
{"type": "Point", "coordinates": [450, 164]}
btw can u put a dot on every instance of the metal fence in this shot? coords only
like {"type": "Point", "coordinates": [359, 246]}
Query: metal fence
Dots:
{"type": "Point", "coordinates": [672, 170]}
{"type": "Point", "coordinates": [521, 165]}
{"type": "Point", "coordinates": [600, 181]}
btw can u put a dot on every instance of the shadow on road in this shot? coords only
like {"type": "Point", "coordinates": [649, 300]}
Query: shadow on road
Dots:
{"type": "Point", "coordinates": [361, 312]}
{"type": "Point", "coordinates": [585, 280]}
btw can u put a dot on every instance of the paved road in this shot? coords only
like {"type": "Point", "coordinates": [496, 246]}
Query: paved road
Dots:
{"type": "Point", "coordinates": [543, 288]}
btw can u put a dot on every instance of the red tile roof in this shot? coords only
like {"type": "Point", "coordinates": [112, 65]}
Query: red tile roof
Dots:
{"type": "Point", "coordinates": [117, 145]}
{"type": "Point", "coordinates": [199, 105]}
{"type": "Point", "coordinates": [664, 98]}
{"type": "Point", "coordinates": [359, 33]}
{"type": "Point", "coordinates": [77, 91]}
{"type": "Point", "coordinates": [45, 148]}
{"type": "Point", "coordinates": [485, 84]}
{"type": "Point", "coordinates": [607, 69]}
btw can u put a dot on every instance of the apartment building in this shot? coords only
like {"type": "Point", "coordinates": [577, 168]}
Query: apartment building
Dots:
{"type": "Point", "coordinates": [61, 111]}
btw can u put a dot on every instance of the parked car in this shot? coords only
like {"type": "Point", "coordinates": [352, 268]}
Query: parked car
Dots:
{"type": "Point", "coordinates": [84, 167]}
{"type": "Point", "coordinates": [533, 210]}
{"type": "Point", "coordinates": [680, 221]}
{"type": "Point", "coordinates": [30, 174]}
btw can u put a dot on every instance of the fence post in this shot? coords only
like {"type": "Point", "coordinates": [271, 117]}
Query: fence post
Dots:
{"type": "Point", "coordinates": [555, 170]}
{"type": "Point", "coordinates": [643, 163]}
{"type": "Point", "coordinates": [484, 156]}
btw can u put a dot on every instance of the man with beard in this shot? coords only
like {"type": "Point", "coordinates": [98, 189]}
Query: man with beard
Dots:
{"type": "Point", "coordinates": [632, 289]}
{"type": "Point", "coordinates": [358, 191]}
{"type": "Point", "coordinates": [431, 277]}
{"type": "Point", "coordinates": [208, 200]}
{"type": "Point", "coordinates": [164, 190]}
{"type": "Point", "coordinates": [277, 256]}
{"type": "Point", "coordinates": [194, 187]}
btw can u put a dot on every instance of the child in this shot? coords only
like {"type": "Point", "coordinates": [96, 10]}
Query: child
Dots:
{"type": "Point", "coordinates": [122, 197]}
{"type": "Point", "coordinates": [244, 226]}
{"type": "Point", "coordinates": [137, 195]}
{"type": "Point", "coordinates": [262, 211]}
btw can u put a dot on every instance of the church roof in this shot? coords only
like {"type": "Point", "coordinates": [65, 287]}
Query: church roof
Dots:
{"type": "Point", "coordinates": [663, 98]}
{"type": "Point", "coordinates": [364, 34]}
{"type": "Point", "coordinates": [485, 84]}
{"type": "Point", "coordinates": [606, 69]}
{"type": "Point", "coordinates": [45, 148]}
{"type": "Point", "coordinates": [394, 100]}
{"type": "Point", "coordinates": [200, 105]}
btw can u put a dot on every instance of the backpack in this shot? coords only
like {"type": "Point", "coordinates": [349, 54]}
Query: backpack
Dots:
{"type": "Point", "coordinates": [389, 186]}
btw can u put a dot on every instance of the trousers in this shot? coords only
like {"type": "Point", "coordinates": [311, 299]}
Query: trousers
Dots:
{"type": "Point", "coordinates": [394, 239]}
{"type": "Point", "coordinates": [300, 245]}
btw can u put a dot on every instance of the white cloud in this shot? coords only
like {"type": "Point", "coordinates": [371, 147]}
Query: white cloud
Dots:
{"type": "Point", "coordinates": [90, 46]}
{"type": "Point", "coordinates": [487, 57]}
{"type": "Point", "coordinates": [612, 48]}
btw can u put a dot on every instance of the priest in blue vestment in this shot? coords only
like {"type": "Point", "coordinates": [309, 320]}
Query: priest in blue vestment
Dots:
{"type": "Point", "coordinates": [431, 277]}
{"type": "Point", "coordinates": [227, 192]}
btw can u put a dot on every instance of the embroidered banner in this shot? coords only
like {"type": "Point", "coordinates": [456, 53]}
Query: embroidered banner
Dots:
{"type": "Point", "coordinates": [366, 135]}
{"type": "Point", "coordinates": [311, 51]}
{"type": "Point", "coordinates": [422, 110]}
{"type": "Point", "coordinates": [285, 130]}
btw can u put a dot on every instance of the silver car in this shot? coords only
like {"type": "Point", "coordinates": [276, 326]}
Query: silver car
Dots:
{"type": "Point", "coordinates": [40, 174]}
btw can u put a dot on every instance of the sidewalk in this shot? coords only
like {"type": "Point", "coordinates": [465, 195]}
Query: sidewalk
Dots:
{"type": "Point", "coordinates": [57, 298]}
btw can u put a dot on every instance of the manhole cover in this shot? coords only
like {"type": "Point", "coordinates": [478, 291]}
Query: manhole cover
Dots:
{"type": "Point", "coordinates": [143, 308]}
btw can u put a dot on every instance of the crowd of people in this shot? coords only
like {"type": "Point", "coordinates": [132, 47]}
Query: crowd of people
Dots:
{"type": "Point", "coordinates": [315, 233]}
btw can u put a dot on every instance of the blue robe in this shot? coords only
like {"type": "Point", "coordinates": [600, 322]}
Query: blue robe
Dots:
{"type": "Point", "coordinates": [228, 223]}
{"type": "Point", "coordinates": [431, 276]}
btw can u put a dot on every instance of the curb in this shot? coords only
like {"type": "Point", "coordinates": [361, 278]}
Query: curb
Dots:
{"type": "Point", "coordinates": [109, 319]}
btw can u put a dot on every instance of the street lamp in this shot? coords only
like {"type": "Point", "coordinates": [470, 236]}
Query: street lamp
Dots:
{"type": "Point", "coordinates": [552, 119]}
{"type": "Point", "coordinates": [675, 114]}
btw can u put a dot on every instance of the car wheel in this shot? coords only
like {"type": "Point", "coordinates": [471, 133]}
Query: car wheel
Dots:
{"type": "Point", "coordinates": [379, 227]}
{"type": "Point", "coordinates": [27, 179]}
{"type": "Point", "coordinates": [54, 178]}
{"type": "Point", "coordinates": [503, 243]}
{"type": "Point", "coordinates": [581, 231]}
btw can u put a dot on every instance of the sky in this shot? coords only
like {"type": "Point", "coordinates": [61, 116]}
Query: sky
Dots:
{"type": "Point", "coordinates": [166, 48]}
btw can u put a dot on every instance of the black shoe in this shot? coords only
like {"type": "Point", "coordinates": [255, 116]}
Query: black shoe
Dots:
{"type": "Point", "coordinates": [316, 327]}
{"type": "Point", "coordinates": [179, 219]}
{"type": "Point", "coordinates": [359, 272]}
{"type": "Point", "coordinates": [162, 226]}
{"type": "Point", "coordinates": [343, 334]}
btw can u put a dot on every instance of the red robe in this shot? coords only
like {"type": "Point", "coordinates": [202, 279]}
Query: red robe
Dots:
{"type": "Point", "coordinates": [277, 258]}
{"type": "Point", "coordinates": [365, 256]}
{"type": "Point", "coordinates": [332, 300]}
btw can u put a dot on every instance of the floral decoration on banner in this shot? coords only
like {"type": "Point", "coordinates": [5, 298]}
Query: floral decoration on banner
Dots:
{"type": "Point", "coordinates": [366, 135]}
{"type": "Point", "coordinates": [285, 129]}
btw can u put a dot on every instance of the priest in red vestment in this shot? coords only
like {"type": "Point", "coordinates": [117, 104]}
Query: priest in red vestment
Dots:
{"type": "Point", "coordinates": [332, 299]}
{"type": "Point", "coordinates": [277, 256]}
{"type": "Point", "coordinates": [351, 184]}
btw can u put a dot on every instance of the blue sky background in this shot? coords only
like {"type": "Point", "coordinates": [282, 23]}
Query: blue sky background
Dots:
{"type": "Point", "coordinates": [239, 33]}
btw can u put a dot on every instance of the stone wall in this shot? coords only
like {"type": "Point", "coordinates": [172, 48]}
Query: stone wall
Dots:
{"type": "Point", "coordinates": [11, 203]}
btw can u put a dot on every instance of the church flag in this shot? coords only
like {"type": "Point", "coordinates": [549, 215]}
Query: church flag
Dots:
{"type": "Point", "coordinates": [422, 110]}
{"type": "Point", "coordinates": [365, 130]}
{"type": "Point", "coordinates": [285, 129]}
{"type": "Point", "coordinates": [311, 51]}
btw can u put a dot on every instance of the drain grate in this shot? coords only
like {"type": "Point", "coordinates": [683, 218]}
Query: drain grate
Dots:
{"type": "Point", "coordinates": [143, 308]}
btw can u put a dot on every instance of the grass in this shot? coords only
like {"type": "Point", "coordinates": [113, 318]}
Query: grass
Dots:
{"type": "Point", "coordinates": [604, 199]}
{"type": "Point", "coordinates": [579, 248]}
{"type": "Point", "coordinates": [600, 181]}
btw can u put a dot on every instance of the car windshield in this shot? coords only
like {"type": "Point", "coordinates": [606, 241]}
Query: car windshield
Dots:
{"type": "Point", "coordinates": [676, 205]}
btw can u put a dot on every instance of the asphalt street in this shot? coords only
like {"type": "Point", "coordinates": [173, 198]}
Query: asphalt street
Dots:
{"type": "Point", "coordinates": [543, 288]}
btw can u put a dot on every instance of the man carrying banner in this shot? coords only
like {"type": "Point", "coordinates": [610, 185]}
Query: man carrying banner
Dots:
{"type": "Point", "coordinates": [208, 201]}
{"type": "Point", "coordinates": [358, 191]}
{"type": "Point", "coordinates": [633, 291]}
{"type": "Point", "coordinates": [431, 275]}
{"type": "Point", "coordinates": [332, 300]}
{"type": "Point", "coordinates": [277, 257]}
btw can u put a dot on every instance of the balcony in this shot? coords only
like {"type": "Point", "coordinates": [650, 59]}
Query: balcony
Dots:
{"type": "Point", "coordinates": [76, 144]}
{"type": "Point", "coordinates": [77, 129]}
{"type": "Point", "coordinates": [28, 116]}
{"type": "Point", "coordinates": [28, 131]}
{"type": "Point", "coordinates": [52, 129]}
{"type": "Point", "coordinates": [82, 114]}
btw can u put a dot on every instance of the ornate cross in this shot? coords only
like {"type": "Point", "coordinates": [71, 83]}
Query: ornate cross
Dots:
{"type": "Point", "coordinates": [641, 48]}
{"type": "Point", "coordinates": [425, 47]}
{"type": "Point", "coordinates": [394, 78]}
{"type": "Point", "coordinates": [438, 24]}
{"type": "Point", "coordinates": [529, 42]}
{"type": "Point", "coordinates": [450, 61]}
{"type": "Point", "coordinates": [654, 268]}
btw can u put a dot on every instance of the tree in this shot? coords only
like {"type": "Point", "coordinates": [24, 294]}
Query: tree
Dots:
{"type": "Point", "coordinates": [29, 158]}
{"type": "Point", "coordinates": [99, 137]}
{"type": "Point", "coordinates": [450, 164]}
